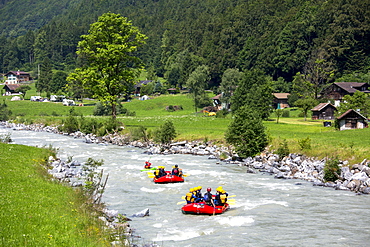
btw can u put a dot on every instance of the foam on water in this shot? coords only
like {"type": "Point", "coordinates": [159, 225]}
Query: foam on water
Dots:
{"type": "Point", "coordinates": [175, 234]}
{"type": "Point", "coordinates": [157, 190]}
{"type": "Point", "coordinates": [157, 225]}
{"type": "Point", "coordinates": [234, 220]}
{"type": "Point", "coordinates": [249, 205]}
{"type": "Point", "coordinates": [277, 186]}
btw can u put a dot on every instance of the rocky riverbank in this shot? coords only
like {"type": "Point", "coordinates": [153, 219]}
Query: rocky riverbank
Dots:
{"type": "Point", "coordinates": [354, 178]}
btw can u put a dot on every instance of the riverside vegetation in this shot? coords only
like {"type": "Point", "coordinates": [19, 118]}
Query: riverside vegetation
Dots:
{"type": "Point", "coordinates": [37, 211]}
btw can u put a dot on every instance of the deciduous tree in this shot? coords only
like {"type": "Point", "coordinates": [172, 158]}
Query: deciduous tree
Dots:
{"type": "Point", "coordinates": [110, 61]}
{"type": "Point", "coordinates": [197, 83]}
{"type": "Point", "coordinates": [247, 133]}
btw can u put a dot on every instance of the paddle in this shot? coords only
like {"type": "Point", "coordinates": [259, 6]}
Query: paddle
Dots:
{"type": "Point", "coordinates": [182, 202]}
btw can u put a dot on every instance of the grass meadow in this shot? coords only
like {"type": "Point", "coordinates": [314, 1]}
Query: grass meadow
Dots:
{"type": "Point", "coordinates": [36, 211]}
{"type": "Point", "coordinates": [352, 145]}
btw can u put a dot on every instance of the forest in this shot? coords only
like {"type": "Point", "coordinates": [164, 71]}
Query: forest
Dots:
{"type": "Point", "coordinates": [281, 38]}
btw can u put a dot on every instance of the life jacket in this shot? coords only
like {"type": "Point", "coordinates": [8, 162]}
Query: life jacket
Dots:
{"type": "Point", "coordinates": [188, 197]}
{"type": "Point", "coordinates": [156, 172]}
{"type": "Point", "coordinates": [223, 198]}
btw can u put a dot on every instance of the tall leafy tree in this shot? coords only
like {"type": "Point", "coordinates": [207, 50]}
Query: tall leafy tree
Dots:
{"type": "Point", "coordinates": [111, 65]}
{"type": "Point", "coordinates": [247, 133]}
{"type": "Point", "coordinates": [358, 101]}
{"type": "Point", "coordinates": [196, 84]}
{"type": "Point", "coordinates": [255, 92]}
{"type": "Point", "coordinates": [229, 82]}
{"type": "Point", "coordinates": [306, 104]}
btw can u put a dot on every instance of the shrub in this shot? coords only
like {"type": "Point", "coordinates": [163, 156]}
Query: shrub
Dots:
{"type": "Point", "coordinates": [283, 149]}
{"type": "Point", "coordinates": [166, 133]}
{"type": "Point", "coordinates": [222, 113]}
{"type": "Point", "coordinates": [286, 113]}
{"type": "Point", "coordinates": [55, 114]}
{"type": "Point", "coordinates": [5, 138]}
{"type": "Point", "coordinates": [305, 144]}
{"type": "Point", "coordinates": [70, 124]}
{"type": "Point", "coordinates": [4, 112]}
{"type": "Point", "coordinates": [331, 170]}
{"type": "Point", "coordinates": [139, 133]}
{"type": "Point", "coordinates": [89, 126]}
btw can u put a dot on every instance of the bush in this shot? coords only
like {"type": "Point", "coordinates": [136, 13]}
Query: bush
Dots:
{"type": "Point", "coordinates": [4, 112]}
{"type": "Point", "coordinates": [331, 170]}
{"type": "Point", "coordinates": [89, 126]}
{"type": "Point", "coordinates": [70, 124]}
{"type": "Point", "coordinates": [139, 133]}
{"type": "Point", "coordinates": [166, 133]}
{"type": "Point", "coordinates": [286, 113]}
{"type": "Point", "coordinates": [305, 144]}
{"type": "Point", "coordinates": [222, 113]}
{"type": "Point", "coordinates": [283, 149]}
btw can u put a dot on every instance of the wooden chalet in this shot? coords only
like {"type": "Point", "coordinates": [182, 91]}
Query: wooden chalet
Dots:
{"type": "Point", "coordinates": [11, 88]}
{"type": "Point", "coordinates": [280, 100]}
{"type": "Point", "coordinates": [352, 119]}
{"type": "Point", "coordinates": [15, 77]}
{"type": "Point", "coordinates": [139, 85]}
{"type": "Point", "coordinates": [338, 90]}
{"type": "Point", "coordinates": [323, 111]}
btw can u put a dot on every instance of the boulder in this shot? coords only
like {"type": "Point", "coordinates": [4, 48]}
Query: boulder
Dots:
{"type": "Point", "coordinates": [362, 176]}
{"type": "Point", "coordinates": [142, 213]}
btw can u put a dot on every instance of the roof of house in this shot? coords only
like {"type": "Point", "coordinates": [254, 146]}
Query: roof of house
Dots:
{"type": "Point", "coordinates": [351, 87]}
{"type": "Point", "coordinates": [12, 86]}
{"type": "Point", "coordinates": [17, 73]}
{"type": "Point", "coordinates": [217, 96]}
{"type": "Point", "coordinates": [281, 95]}
{"type": "Point", "coordinates": [322, 106]}
{"type": "Point", "coordinates": [348, 112]}
{"type": "Point", "coordinates": [144, 82]}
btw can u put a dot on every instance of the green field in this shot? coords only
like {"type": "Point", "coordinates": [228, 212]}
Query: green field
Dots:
{"type": "Point", "coordinates": [353, 145]}
{"type": "Point", "coordinates": [36, 211]}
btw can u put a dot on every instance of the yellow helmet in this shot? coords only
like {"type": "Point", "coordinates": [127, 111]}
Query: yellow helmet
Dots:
{"type": "Point", "coordinates": [191, 189]}
{"type": "Point", "coordinates": [200, 187]}
{"type": "Point", "coordinates": [219, 188]}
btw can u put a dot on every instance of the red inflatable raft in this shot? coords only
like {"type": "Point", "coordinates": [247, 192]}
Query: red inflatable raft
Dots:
{"type": "Point", "coordinates": [168, 179]}
{"type": "Point", "coordinates": [202, 208]}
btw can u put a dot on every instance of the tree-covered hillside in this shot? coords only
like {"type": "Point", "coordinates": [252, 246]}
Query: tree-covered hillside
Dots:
{"type": "Point", "coordinates": [280, 37]}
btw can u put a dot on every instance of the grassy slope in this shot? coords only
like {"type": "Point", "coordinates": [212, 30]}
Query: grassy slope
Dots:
{"type": "Point", "coordinates": [34, 210]}
{"type": "Point", "coordinates": [326, 142]}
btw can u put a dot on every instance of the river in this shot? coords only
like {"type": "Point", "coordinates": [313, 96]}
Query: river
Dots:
{"type": "Point", "coordinates": [266, 212]}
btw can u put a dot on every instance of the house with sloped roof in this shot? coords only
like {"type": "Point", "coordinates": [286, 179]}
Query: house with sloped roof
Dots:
{"type": "Point", "coordinates": [352, 119]}
{"type": "Point", "coordinates": [15, 77]}
{"type": "Point", "coordinates": [139, 85]}
{"type": "Point", "coordinates": [280, 100]}
{"type": "Point", "coordinates": [338, 90]}
{"type": "Point", "coordinates": [11, 88]}
{"type": "Point", "coordinates": [323, 111]}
